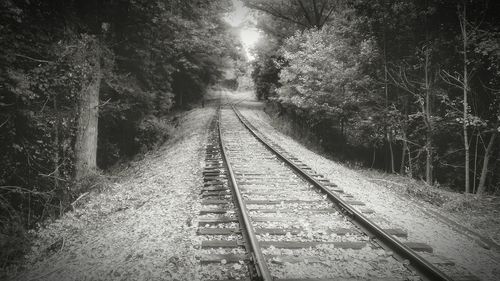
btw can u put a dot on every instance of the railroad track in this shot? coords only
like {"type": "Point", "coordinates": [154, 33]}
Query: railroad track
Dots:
{"type": "Point", "coordinates": [267, 216]}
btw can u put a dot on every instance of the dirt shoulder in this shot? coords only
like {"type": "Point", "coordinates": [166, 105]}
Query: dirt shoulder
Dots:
{"type": "Point", "coordinates": [453, 232]}
{"type": "Point", "coordinates": [477, 217]}
{"type": "Point", "coordinates": [140, 228]}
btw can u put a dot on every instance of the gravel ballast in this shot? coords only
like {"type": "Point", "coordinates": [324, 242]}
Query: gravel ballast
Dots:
{"type": "Point", "coordinates": [405, 213]}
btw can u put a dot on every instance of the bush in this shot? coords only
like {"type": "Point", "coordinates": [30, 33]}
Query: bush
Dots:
{"type": "Point", "coordinates": [93, 182]}
{"type": "Point", "coordinates": [152, 132]}
{"type": "Point", "coordinates": [13, 235]}
{"type": "Point", "coordinates": [427, 194]}
{"type": "Point", "coordinates": [463, 204]}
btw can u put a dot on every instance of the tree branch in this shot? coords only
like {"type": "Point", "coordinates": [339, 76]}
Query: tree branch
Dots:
{"type": "Point", "coordinates": [317, 15]}
{"type": "Point", "coordinates": [403, 82]}
{"type": "Point", "coordinates": [33, 59]}
{"type": "Point", "coordinates": [276, 14]}
{"type": "Point", "coordinates": [5, 122]}
{"type": "Point", "coordinates": [332, 8]}
{"type": "Point", "coordinates": [452, 80]}
{"type": "Point", "coordinates": [306, 14]}
{"type": "Point", "coordinates": [323, 6]}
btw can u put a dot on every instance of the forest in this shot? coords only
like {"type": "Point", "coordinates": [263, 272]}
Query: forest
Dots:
{"type": "Point", "coordinates": [85, 84]}
{"type": "Point", "coordinates": [408, 87]}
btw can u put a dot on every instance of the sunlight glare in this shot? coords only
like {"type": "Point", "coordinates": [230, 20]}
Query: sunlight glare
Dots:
{"type": "Point", "coordinates": [249, 36]}
{"type": "Point", "coordinates": [242, 19]}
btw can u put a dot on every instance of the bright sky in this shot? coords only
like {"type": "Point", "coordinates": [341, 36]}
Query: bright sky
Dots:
{"type": "Point", "coordinates": [240, 18]}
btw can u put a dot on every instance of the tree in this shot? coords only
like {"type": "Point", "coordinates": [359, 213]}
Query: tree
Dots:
{"type": "Point", "coordinates": [86, 83]}
{"type": "Point", "coordinates": [305, 14]}
{"type": "Point", "coordinates": [488, 48]}
{"type": "Point", "coordinates": [323, 74]}
{"type": "Point", "coordinates": [472, 37]}
{"type": "Point", "coordinates": [265, 73]}
{"type": "Point", "coordinates": [487, 155]}
{"type": "Point", "coordinates": [407, 101]}
{"type": "Point", "coordinates": [465, 82]}
{"type": "Point", "coordinates": [420, 86]}
{"type": "Point", "coordinates": [88, 110]}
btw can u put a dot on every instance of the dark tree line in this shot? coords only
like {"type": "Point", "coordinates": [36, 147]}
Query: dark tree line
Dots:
{"type": "Point", "coordinates": [411, 87]}
{"type": "Point", "coordinates": [84, 84]}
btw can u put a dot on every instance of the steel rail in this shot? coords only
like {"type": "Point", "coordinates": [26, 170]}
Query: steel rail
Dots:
{"type": "Point", "coordinates": [253, 246]}
{"type": "Point", "coordinates": [419, 264]}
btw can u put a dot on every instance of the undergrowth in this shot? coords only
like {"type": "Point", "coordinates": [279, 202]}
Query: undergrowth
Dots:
{"type": "Point", "coordinates": [426, 193]}
{"type": "Point", "coordinates": [463, 204]}
{"type": "Point", "coordinates": [15, 237]}
{"type": "Point", "coordinates": [437, 195]}
{"type": "Point", "coordinates": [304, 137]}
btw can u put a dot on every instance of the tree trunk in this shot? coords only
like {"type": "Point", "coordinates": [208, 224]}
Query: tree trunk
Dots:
{"type": "Point", "coordinates": [60, 190]}
{"type": "Point", "coordinates": [391, 152]}
{"type": "Point", "coordinates": [386, 89]}
{"type": "Point", "coordinates": [484, 172]}
{"type": "Point", "coordinates": [403, 155]}
{"type": "Point", "coordinates": [88, 110]}
{"type": "Point", "coordinates": [428, 121]}
{"type": "Point", "coordinates": [342, 127]}
{"type": "Point", "coordinates": [465, 103]}
{"type": "Point", "coordinates": [56, 158]}
{"type": "Point", "coordinates": [410, 167]}
{"type": "Point", "coordinates": [428, 162]}
{"type": "Point", "coordinates": [475, 163]}
{"type": "Point", "coordinates": [374, 155]}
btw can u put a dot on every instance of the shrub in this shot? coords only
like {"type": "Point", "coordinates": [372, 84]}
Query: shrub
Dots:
{"type": "Point", "coordinates": [152, 132]}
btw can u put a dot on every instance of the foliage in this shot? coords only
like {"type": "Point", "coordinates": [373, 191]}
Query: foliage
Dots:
{"type": "Point", "coordinates": [155, 56]}
{"type": "Point", "coordinates": [323, 71]}
{"type": "Point", "coordinates": [265, 71]}
{"type": "Point", "coordinates": [303, 14]}
{"type": "Point", "coordinates": [385, 76]}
